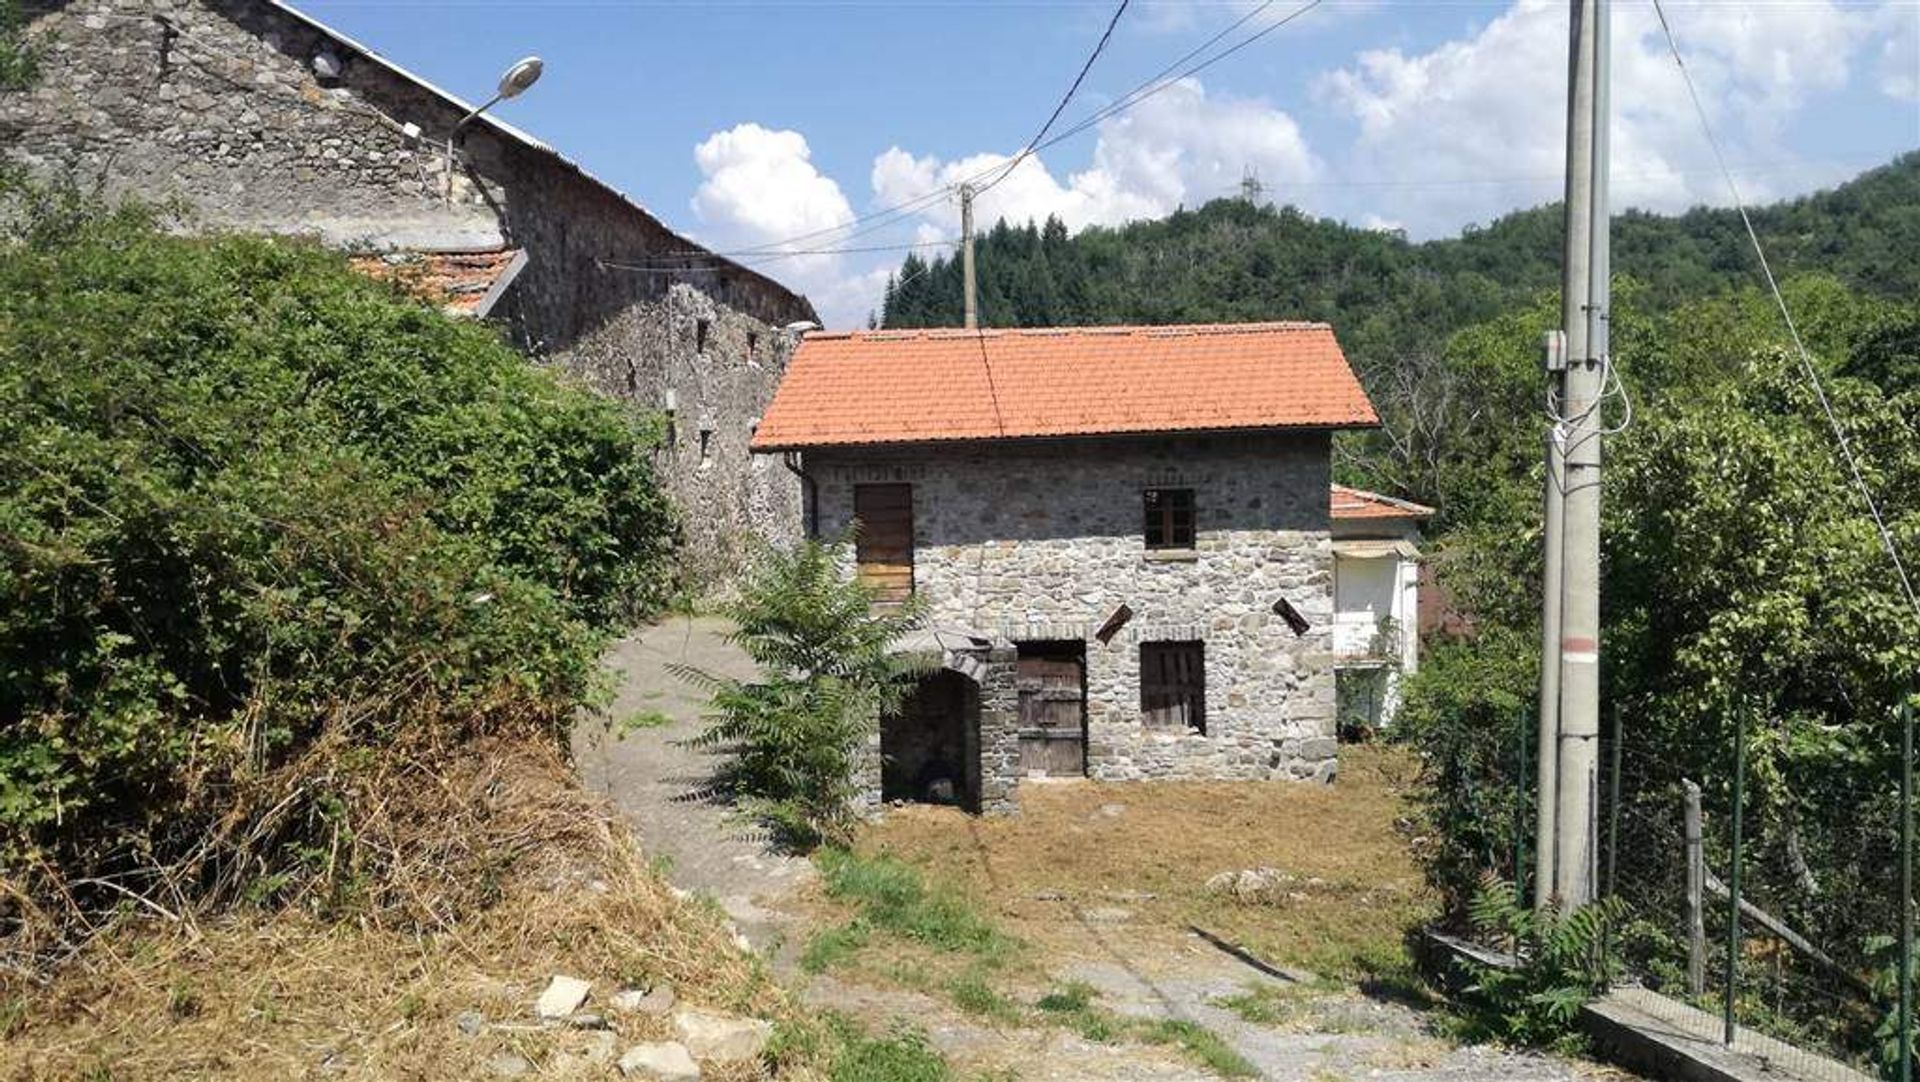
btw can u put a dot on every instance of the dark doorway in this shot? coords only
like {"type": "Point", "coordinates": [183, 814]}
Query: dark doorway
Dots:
{"type": "Point", "coordinates": [930, 749]}
{"type": "Point", "coordinates": [1052, 684]}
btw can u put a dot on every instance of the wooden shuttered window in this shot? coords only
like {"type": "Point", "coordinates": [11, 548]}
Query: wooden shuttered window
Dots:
{"type": "Point", "coordinates": [883, 541]}
{"type": "Point", "coordinates": [1169, 518]}
{"type": "Point", "coordinates": [1173, 685]}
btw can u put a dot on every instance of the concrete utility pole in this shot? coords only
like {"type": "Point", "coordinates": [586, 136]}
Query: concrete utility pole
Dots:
{"type": "Point", "coordinates": [966, 251]}
{"type": "Point", "coordinates": [1584, 309]}
{"type": "Point", "coordinates": [1547, 748]}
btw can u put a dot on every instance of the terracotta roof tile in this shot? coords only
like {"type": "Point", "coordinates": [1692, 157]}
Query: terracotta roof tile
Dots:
{"type": "Point", "coordinates": [463, 283]}
{"type": "Point", "coordinates": [879, 387]}
{"type": "Point", "coordinates": [1355, 503]}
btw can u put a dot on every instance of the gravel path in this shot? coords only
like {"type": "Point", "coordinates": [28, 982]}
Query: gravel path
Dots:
{"type": "Point", "coordinates": [658, 782]}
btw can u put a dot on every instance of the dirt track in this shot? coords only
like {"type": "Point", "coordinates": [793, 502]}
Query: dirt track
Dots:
{"type": "Point", "coordinates": [1145, 967]}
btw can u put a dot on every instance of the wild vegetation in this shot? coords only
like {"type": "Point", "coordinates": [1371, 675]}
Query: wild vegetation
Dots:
{"type": "Point", "coordinates": [263, 516]}
{"type": "Point", "coordinates": [1744, 582]}
{"type": "Point", "coordinates": [796, 734]}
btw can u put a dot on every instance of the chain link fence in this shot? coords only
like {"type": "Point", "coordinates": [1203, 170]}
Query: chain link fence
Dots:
{"type": "Point", "coordinates": [1817, 864]}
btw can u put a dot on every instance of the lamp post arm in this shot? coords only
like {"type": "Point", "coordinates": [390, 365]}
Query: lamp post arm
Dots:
{"type": "Point", "coordinates": [453, 138]}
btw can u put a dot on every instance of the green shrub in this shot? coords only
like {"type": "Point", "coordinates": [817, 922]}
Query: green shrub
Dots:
{"type": "Point", "coordinates": [796, 735]}
{"type": "Point", "coordinates": [259, 511]}
{"type": "Point", "coordinates": [1466, 713]}
{"type": "Point", "coordinates": [1562, 964]}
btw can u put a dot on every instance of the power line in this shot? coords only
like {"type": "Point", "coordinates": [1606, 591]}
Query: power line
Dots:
{"type": "Point", "coordinates": [1800, 347]}
{"type": "Point", "coordinates": [677, 261]}
{"type": "Point", "coordinates": [1098, 48]}
{"type": "Point", "coordinates": [884, 216]}
{"type": "Point", "coordinates": [1151, 88]}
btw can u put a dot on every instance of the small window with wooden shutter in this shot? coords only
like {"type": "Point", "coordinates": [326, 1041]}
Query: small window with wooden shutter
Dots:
{"type": "Point", "coordinates": [1169, 518]}
{"type": "Point", "coordinates": [1173, 685]}
{"type": "Point", "coordinates": [883, 540]}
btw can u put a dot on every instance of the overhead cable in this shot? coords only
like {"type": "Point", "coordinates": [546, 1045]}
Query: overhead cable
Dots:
{"type": "Point", "coordinates": [1793, 331]}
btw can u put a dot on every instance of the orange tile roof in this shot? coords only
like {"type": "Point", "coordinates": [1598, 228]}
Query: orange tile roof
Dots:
{"type": "Point", "coordinates": [462, 283]}
{"type": "Point", "coordinates": [878, 387]}
{"type": "Point", "coordinates": [1355, 503]}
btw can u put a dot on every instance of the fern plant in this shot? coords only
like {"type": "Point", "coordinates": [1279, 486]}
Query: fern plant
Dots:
{"type": "Point", "coordinates": [1884, 950]}
{"type": "Point", "coordinates": [795, 736]}
{"type": "Point", "coordinates": [1560, 964]}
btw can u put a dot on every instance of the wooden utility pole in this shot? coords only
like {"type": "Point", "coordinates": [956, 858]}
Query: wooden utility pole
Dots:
{"type": "Point", "coordinates": [1584, 310]}
{"type": "Point", "coordinates": [966, 252]}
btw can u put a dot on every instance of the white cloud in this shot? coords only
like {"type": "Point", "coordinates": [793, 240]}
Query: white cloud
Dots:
{"type": "Point", "coordinates": [1485, 116]}
{"type": "Point", "coordinates": [1899, 69]}
{"type": "Point", "coordinates": [1181, 146]}
{"type": "Point", "coordinates": [762, 187]}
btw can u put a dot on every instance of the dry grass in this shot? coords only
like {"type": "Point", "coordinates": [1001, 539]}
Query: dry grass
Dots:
{"type": "Point", "coordinates": [530, 876]}
{"type": "Point", "coordinates": [1150, 848]}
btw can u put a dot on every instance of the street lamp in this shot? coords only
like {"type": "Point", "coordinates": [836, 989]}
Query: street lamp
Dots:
{"type": "Point", "coordinates": [518, 78]}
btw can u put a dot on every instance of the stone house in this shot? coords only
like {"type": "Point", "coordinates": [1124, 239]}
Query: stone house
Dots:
{"type": "Point", "coordinates": [1121, 536]}
{"type": "Point", "coordinates": [257, 117]}
{"type": "Point", "coordinates": [1376, 601]}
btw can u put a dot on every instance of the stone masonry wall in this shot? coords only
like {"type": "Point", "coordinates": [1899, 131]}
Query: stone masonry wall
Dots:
{"type": "Point", "coordinates": [221, 106]}
{"type": "Point", "coordinates": [1043, 540]}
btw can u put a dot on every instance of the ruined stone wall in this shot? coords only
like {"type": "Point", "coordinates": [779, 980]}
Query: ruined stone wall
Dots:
{"type": "Point", "coordinates": [226, 107]}
{"type": "Point", "coordinates": [1043, 540]}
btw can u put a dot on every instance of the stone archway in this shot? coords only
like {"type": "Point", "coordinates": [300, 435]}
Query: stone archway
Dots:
{"type": "Point", "coordinates": [930, 747]}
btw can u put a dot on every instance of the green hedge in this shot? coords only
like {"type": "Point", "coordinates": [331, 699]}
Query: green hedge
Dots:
{"type": "Point", "coordinates": [248, 497]}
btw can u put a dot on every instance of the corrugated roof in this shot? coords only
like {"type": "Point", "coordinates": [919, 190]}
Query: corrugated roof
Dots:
{"type": "Point", "coordinates": [883, 387]}
{"type": "Point", "coordinates": [1355, 503]}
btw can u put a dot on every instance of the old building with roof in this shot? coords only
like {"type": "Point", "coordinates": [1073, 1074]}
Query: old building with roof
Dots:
{"type": "Point", "coordinates": [254, 116]}
{"type": "Point", "coordinates": [1376, 601]}
{"type": "Point", "coordinates": [1121, 535]}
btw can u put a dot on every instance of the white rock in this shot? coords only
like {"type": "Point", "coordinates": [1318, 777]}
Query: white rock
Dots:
{"type": "Point", "coordinates": [656, 1000]}
{"type": "Point", "coordinates": [668, 1062]}
{"type": "Point", "coordinates": [563, 997]}
{"type": "Point", "coordinates": [717, 1037]}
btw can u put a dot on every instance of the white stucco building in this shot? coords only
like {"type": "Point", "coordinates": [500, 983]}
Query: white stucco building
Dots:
{"type": "Point", "coordinates": [1376, 601]}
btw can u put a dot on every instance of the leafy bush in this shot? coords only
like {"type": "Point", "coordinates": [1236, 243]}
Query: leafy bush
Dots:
{"type": "Point", "coordinates": [797, 734]}
{"type": "Point", "coordinates": [260, 511]}
{"type": "Point", "coordinates": [1562, 964]}
{"type": "Point", "coordinates": [19, 57]}
{"type": "Point", "coordinates": [1466, 714]}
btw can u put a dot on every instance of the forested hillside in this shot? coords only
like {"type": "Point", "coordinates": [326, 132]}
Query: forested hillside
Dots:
{"type": "Point", "coordinates": [1231, 261]}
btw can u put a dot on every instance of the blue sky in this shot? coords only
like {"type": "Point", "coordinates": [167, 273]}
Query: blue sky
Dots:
{"type": "Point", "coordinates": [745, 124]}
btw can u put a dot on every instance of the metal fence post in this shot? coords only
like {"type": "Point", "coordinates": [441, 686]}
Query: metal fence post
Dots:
{"type": "Point", "coordinates": [1733, 878]}
{"type": "Point", "coordinates": [1613, 810]}
{"type": "Point", "coordinates": [1696, 893]}
{"type": "Point", "coordinates": [1905, 1028]}
{"type": "Point", "coordinates": [1520, 807]}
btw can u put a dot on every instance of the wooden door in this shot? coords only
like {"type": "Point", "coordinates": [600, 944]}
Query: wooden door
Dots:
{"type": "Point", "coordinates": [883, 543]}
{"type": "Point", "coordinates": [1051, 681]}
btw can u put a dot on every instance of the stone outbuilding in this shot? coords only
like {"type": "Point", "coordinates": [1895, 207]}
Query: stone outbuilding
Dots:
{"type": "Point", "coordinates": [254, 116]}
{"type": "Point", "coordinates": [1121, 536]}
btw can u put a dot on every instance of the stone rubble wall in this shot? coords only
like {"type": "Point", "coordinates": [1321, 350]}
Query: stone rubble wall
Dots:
{"type": "Point", "coordinates": [217, 106]}
{"type": "Point", "coordinates": [1043, 541]}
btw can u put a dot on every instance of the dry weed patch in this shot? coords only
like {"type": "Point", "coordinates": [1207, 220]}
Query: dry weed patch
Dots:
{"type": "Point", "coordinates": [530, 876]}
{"type": "Point", "coordinates": [1150, 847]}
